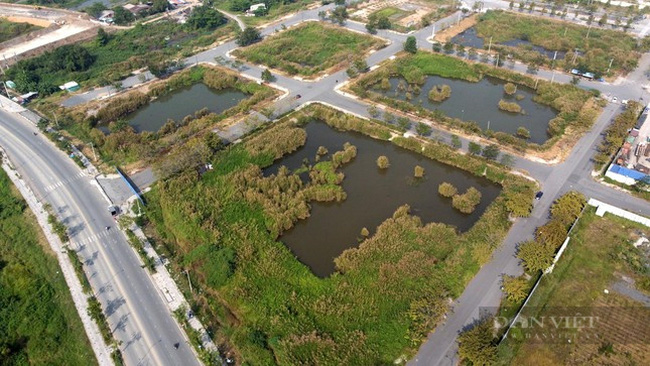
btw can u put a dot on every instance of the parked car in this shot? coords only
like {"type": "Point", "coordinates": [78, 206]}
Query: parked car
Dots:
{"type": "Point", "coordinates": [538, 195]}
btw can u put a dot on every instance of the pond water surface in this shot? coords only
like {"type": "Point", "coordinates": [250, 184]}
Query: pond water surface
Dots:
{"type": "Point", "coordinates": [373, 195]}
{"type": "Point", "coordinates": [183, 102]}
{"type": "Point", "coordinates": [478, 102]}
{"type": "Point", "coordinates": [469, 38]}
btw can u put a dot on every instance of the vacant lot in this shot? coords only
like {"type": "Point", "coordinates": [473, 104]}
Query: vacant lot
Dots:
{"type": "Point", "coordinates": [600, 256]}
{"type": "Point", "coordinates": [310, 49]}
{"type": "Point", "coordinates": [9, 30]}
{"type": "Point", "coordinates": [39, 324]}
{"type": "Point", "coordinates": [386, 294]}
{"type": "Point", "coordinates": [595, 50]}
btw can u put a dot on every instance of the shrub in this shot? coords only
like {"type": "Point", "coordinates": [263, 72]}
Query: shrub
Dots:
{"type": "Point", "coordinates": [523, 133]}
{"type": "Point", "coordinates": [467, 202]}
{"type": "Point", "coordinates": [511, 107]}
{"type": "Point", "coordinates": [440, 93]}
{"type": "Point", "coordinates": [365, 232]}
{"type": "Point", "coordinates": [447, 189]}
{"type": "Point", "coordinates": [419, 171]}
{"type": "Point", "coordinates": [474, 148]}
{"type": "Point", "coordinates": [477, 345]}
{"type": "Point", "coordinates": [382, 162]}
{"type": "Point", "coordinates": [535, 256]}
{"type": "Point", "coordinates": [423, 129]}
{"type": "Point", "coordinates": [515, 288]}
{"type": "Point", "coordinates": [455, 142]}
{"type": "Point", "coordinates": [410, 45]}
{"type": "Point", "coordinates": [510, 88]}
{"type": "Point", "coordinates": [491, 152]}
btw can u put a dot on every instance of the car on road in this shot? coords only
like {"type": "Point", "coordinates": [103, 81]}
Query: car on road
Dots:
{"type": "Point", "coordinates": [538, 195]}
{"type": "Point", "coordinates": [114, 210]}
{"type": "Point", "coordinates": [614, 100]}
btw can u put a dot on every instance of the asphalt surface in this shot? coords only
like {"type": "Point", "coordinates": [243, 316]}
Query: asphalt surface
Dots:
{"type": "Point", "coordinates": [136, 311]}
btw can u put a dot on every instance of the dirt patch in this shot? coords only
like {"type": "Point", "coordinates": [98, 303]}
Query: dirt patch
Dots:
{"type": "Point", "coordinates": [449, 33]}
{"type": "Point", "coordinates": [35, 21]}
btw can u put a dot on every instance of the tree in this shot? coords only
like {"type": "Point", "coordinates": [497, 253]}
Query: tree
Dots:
{"type": "Point", "coordinates": [603, 20]}
{"type": "Point", "coordinates": [423, 129]}
{"type": "Point", "coordinates": [102, 37]}
{"type": "Point", "coordinates": [371, 28]}
{"type": "Point", "coordinates": [383, 23]}
{"type": "Point", "coordinates": [122, 16]}
{"type": "Point", "coordinates": [404, 122]}
{"type": "Point", "coordinates": [447, 189]}
{"type": "Point", "coordinates": [491, 152]}
{"type": "Point", "coordinates": [159, 6]}
{"type": "Point", "coordinates": [373, 111]}
{"type": "Point", "coordinates": [389, 117]}
{"type": "Point", "coordinates": [382, 162]}
{"type": "Point", "coordinates": [267, 76]}
{"type": "Point", "coordinates": [95, 10]}
{"type": "Point", "coordinates": [552, 234]}
{"type": "Point", "coordinates": [340, 14]}
{"type": "Point", "coordinates": [410, 45]}
{"type": "Point", "coordinates": [507, 160]}
{"type": "Point", "coordinates": [474, 148]}
{"type": "Point", "coordinates": [248, 36]}
{"type": "Point", "coordinates": [205, 17]}
{"type": "Point", "coordinates": [322, 15]}
{"type": "Point", "coordinates": [361, 65]}
{"type": "Point", "coordinates": [567, 208]}
{"type": "Point", "coordinates": [518, 202]}
{"type": "Point", "coordinates": [536, 256]}
{"type": "Point", "coordinates": [477, 345]}
{"type": "Point", "coordinates": [455, 142]}
{"type": "Point", "coordinates": [515, 288]}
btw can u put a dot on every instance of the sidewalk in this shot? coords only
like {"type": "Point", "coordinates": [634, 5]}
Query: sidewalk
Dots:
{"type": "Point", "coordinates": [80, 299]}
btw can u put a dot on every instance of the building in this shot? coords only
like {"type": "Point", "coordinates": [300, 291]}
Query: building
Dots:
{"type": "Point", "coordinates": [632, 162]}
{"type": "Point", "coordinates": [70, 86]}
{"type": "Point", "coordinates": [136, 9]}
{"type": "Point", "coordinates": [106, 16]}
{"type": "Point", "coordinates": [251, 11]}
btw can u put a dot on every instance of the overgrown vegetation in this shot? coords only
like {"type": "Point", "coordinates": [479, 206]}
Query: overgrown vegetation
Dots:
{"type": "Point", "coordinates": [538, 254]}
{"type": "Point", "coordinates": [186, 142]}
{"type": "Point", "coordinates": [599, 254]}
{"type": "Point", "coordinates": [9, 30]}
{"type": "Point", "coordinates": [440, 93]}
{"type": "Point", "coordinates": [38, 320]}
{"type": "Point", "coordinates": [111, 57]}
{"type": "Point", "coordinates": [511, 107]}
{"type": "Point", "coordinates": [595, 50]}
{"type": "Point", "coordinates": [387, 294]}
{"type": "Point", "coordinates": [576, 110]}
{"type": "Point", "coordinates": [616, 133]}
{"type": "Point", "coordinates": [309, 49]}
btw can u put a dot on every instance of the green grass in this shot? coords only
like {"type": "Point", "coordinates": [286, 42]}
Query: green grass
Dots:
{"type": "Point", "coordinates": [600, 251]}
{"type": "Point", "coordinates": [273, 309]}
{"type": "Point", "coordinates": [39, 324]}
{"type": "Point", "coordinates": [9, 30]}
{"type": "Point", "coordinates": [309, 49]}
{"type": "Point", "coordinates": [392, 13]}
{"type": "Point", "coordinates": [601, 46]}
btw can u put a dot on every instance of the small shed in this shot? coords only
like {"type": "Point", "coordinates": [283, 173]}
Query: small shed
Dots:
{"type": "Point", "coordinates": [70, 86]}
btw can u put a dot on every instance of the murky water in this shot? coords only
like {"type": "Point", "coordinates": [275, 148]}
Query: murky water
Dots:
{"type": "Point", "coordinates": [183, 102]}
{"type": "Point", "coordinates": [478, 102]}
{"type": "Point", "coordinates": [373, 195]}
{"type": "Point", "coordinates": [469, 38]}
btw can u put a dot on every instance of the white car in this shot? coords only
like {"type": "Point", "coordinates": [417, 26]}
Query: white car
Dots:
{"type": "Point", "coordinates": [614, 100]}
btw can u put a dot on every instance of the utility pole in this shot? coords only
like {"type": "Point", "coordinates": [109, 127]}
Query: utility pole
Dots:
{"type": "Point", "coordinates": [490, 46]}
{"type": "Point", "coordinates": [188, 280]}
{"type": "Point", "coordinates": [610, 64]}
{"type": "Point", "coordinates": [588, 30]}
{"type": "Point", "coordinates": [56, 120]}
{"type": "Point", "coordinates": [433, 31]}
{"type": "Point", "coordinates": [497, 64]}
{"type": "Point", "coordinates": [92, 145]}
{"type": "Point", "coordinates": [536, 81]}
{"type": "Point", "coordinates": [552, 78]}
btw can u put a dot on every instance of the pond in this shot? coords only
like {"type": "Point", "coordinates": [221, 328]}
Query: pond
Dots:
{"type": "Point", "coordinates": [469, 38]}
{"type": "Point", "coordinates": [183, 102]}
{"type": "Point", "coordinates": [373, 195]}
{"type": "Point", "coordinates": [478, 102]}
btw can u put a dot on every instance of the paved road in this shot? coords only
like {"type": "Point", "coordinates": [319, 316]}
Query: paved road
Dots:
{"type": "Point", "coordinates": [573, 174]}
{"type": "Point", "coordinates": [135, 310]}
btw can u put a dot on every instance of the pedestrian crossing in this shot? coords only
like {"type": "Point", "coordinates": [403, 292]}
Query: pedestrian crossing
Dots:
{"type": "Point", "coordinates": [60, 184]}
{"type": "Point", "coordinates": [93, 238]}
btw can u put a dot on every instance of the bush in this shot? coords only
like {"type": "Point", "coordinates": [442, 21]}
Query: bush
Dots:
{"type": "Point", "coordinates": [477, 346]}
{"type": "Point", "coordinates": [439, 93]}
{"type": "Point", "coordinates": [511, 107]}
{"type": "Point", "coordinates": [510, 88]}
{"type": "Point", "coordinates": [382, 162]}
{"type": "Point", "coordinates": [467, 202]}
{"type": "Point", "coordinates": [491, 152]}
{"type": "Point", "coordinates": [474, 148]}
{"type": "Point", "coordinates": [523, 133]}
{"type": "Point", "coordinates": [447, 189]}
{"type": "Point", "coordinates": [423, 129]}
{"type": "Point", "coordinates": [410, 45]}
{"type": "Point", "coordinates": [516, 288]}
{"type": "Point", "coordinates": [248, 36]}
{"type": "Point", "coordinates": [418, 172]}
{"type": "Point", "coordinates": [205, 17]}
{"type": "Point", "coordinates": [535, 256]}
